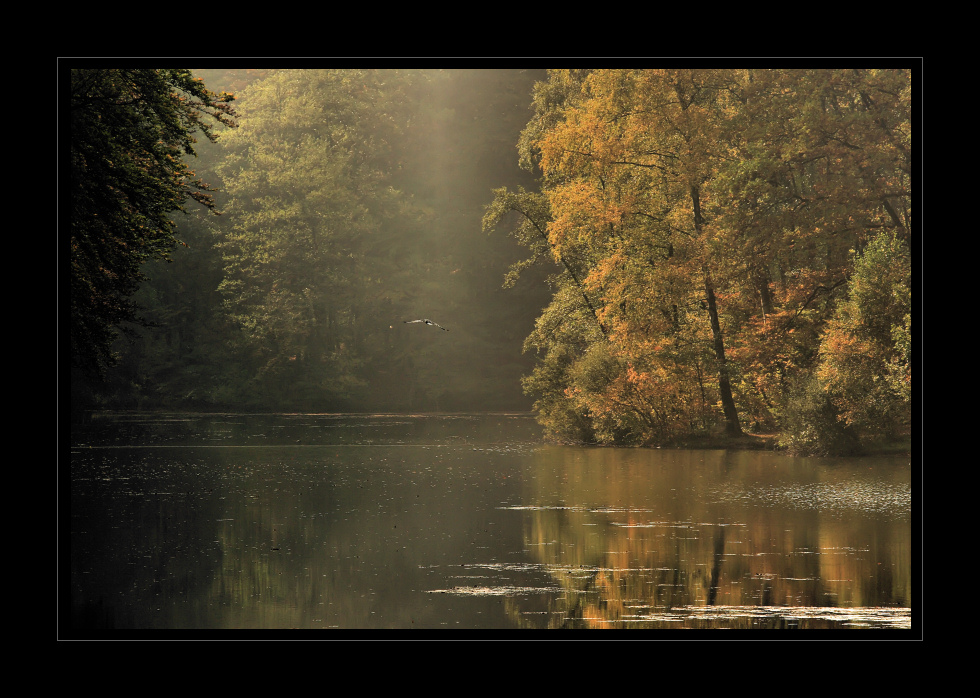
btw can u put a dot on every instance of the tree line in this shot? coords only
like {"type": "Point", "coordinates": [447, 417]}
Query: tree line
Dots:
{"type": "Point", "coordinates": [705, 251]}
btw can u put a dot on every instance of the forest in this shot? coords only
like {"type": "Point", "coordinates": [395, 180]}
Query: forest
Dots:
{"type": "Point", "coordinates": [646, 257]}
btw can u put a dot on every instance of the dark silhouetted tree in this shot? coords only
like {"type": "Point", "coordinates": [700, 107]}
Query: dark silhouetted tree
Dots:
{"type": "Point", "coordinates": [130, 131]}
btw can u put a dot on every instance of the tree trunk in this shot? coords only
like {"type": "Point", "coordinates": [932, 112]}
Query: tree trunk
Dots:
{"type": "Point", "coordinates": [732, 426]}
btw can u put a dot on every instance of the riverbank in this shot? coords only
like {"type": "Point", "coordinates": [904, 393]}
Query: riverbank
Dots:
{"type": "Point", "coordinates": [770, 442]}
{"type": "Point", "coordinates": [745, 442]}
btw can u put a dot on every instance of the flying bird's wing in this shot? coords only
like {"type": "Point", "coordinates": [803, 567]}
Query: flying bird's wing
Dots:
{"type": "Point", "coordinates": [427, 322]}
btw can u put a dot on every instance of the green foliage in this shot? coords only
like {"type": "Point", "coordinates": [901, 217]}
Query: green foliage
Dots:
{"type": "Point", "coordinates": [527, 215]}
{"type": "Point", "coordinates": [865, 353]}
{"type": "Point", "coordinates": [562, 336]}
{"type": "Point", "coordinates": [900, 365]}
{"type": "Point", "coordinates": [390, 186]}
{"type": "Point", "coordinates": [809, 424]}
{"type": "Point", "coordinates": [130, 131]}
{"type": "Point", "coordinates": [315, 224]}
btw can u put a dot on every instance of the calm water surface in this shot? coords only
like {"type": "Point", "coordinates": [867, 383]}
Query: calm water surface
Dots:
{"type": "Point", "coordinates": [462, 521]}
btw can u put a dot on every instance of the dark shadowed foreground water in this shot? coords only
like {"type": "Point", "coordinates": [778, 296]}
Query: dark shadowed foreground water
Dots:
{"type": "Point", "coordinates": [236, 521]}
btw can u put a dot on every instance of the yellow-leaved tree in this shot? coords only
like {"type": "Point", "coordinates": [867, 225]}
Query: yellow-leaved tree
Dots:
{"type": "Point", "coordinates": [701, 221]}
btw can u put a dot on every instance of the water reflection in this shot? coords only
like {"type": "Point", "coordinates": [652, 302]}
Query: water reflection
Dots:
{"type": "Point", "coordinates": [395, 521]}
{"type": "Point", "coordinates": [661, 532]}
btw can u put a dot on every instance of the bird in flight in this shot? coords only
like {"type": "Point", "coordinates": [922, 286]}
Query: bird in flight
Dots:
{"type": "Point", "coordinates": [427, 322]}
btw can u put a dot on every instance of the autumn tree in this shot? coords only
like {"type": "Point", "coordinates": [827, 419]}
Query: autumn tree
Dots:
{"type": "Point", "coordinates": [703, 220]}
{"type": "Point", "coordinates": [626, 156]}
{"type": "Point", "coordinates": [130, 132]}
{"type": "Point", "coordinates": [821, 163]}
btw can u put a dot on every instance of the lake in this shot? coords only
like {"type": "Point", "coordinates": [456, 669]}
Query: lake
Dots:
{"type": "Point", "coordinates": [361, 522]}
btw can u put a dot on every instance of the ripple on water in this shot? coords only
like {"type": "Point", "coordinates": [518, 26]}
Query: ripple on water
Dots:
{"type": "Point", "coordinates": [855, 617]}
{"type": "Point", "coordinates": [868, 497]}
